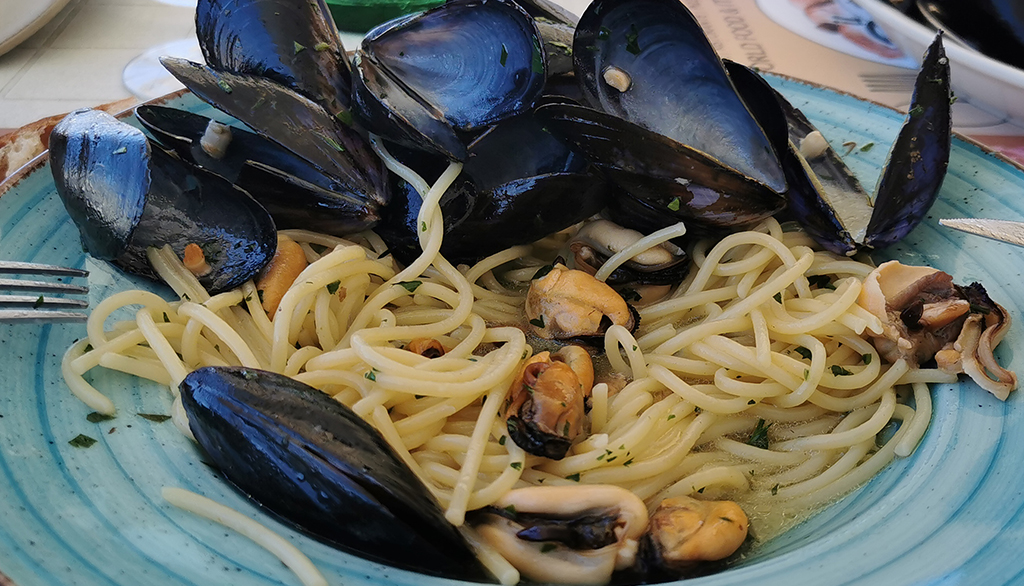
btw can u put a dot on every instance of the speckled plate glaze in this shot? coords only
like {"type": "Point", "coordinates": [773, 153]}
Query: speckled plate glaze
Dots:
{"type": "Point", "coordinates": [950, 513]}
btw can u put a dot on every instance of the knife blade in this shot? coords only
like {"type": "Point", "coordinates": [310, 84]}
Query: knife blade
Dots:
{"type": "Point", "coordinates": [1002, 230]}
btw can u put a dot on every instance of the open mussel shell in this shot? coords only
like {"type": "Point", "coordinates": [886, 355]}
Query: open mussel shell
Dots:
{"type": "Point", "coordinates": [829, 202]}
{"type": "Point", "coordinates": [315, 463]}
{"type": "Point", "coordinates": [292, 121]}
{"type": "Point", "coordinates": [518, 185]}
{"type": "Point", "coordinates": [101, 170]}
{"type": "Point", "coordinates": [917, 162]}
{"type": "Point", "coordinates": [649, 63]}
{"type": "Point", "coordinates": [456, 68]}
{"type": "Point", "coordinates": [103, 167]}
{"type": "Point", "coordinates": [293, 42]}
{"type": "Point", "coordinates": [297, 194]}
{"type": "Point", "coordinates": [670, 175]}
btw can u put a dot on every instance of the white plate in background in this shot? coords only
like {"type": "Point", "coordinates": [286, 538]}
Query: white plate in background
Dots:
{"type": "Point", "coordinates": [20, 18]}
{"type": "Point", "coordinates": [984, 82]}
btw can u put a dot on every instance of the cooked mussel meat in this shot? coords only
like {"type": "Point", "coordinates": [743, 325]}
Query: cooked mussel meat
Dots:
{"type": "Point", "coordinates": [666, 122]}
{"type": "Point", "coordinates": [296, 193]}
{"type": "Point", "coordinates": [829, 202]}
{"type": "Point", "coordinates": [598, 240]}
{"type": "Point", "coordinates": [293, 42]}
{"type": "Point", "coordinates": [126, 196]}
{"type": "Point", "coordinates": [314, 462]}
{"type": "Point", "coordinates": [545, 409]}
{"type": "Point", "coordinates": [925, 316]}
{"type": "Point", "coordinates": [423, 79]}
{"type": "Point", "coordinates": [565, 534]}
{"type": "Point", "coordinates": [567, 303]}
{"type": "Point", "coordinates": [684, 531]}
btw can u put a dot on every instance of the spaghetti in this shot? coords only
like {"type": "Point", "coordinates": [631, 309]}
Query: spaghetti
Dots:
{"type": "Point", "coordinates": [764, 337]}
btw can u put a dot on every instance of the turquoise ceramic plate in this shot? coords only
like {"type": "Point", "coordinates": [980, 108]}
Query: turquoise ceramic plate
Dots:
{"type": "Point", "coordinates": [951, 513]}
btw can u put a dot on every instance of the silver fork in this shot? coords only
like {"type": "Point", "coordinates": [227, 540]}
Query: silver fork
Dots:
{"type": "Point", "coordinates": [39, 307]}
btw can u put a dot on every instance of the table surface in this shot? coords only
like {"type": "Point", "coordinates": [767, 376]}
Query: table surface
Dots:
{"type": "Point", "coordinates": [76, 60]}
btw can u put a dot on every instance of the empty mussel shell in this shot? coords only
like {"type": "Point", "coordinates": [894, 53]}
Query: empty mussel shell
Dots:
{"type": "Point", "coordinates": [315, 463]}
{"type": "Point", "coordinates": [460, 67]}
{"type": "Point", "coordinates": [293, 42]}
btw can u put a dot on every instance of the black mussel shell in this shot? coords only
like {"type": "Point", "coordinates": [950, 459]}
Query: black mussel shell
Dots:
{"type": "Point", "coordinates": [824, 195]}
{"type": "Point", "coordinates": [670, 175]}
{"type": "Point", "coordinates": [100, 167]}
{"type": "Point", "coordinates": [519, 184]}
{"type": "Point", "coordinates": [297, 194]}
{"type": "Point", "coordinates": [315, 463]}
{"type": "Point", "coordinates": [828, 201]}
{"type": "Point", "coordinates": [456, 68]}
{"type": "Point", "coordinates": [677, 85]}
{"type": "Point", "coordinates": [292, 121]}
{"type": "Point", "coordinates": [95, 163]}
{"type": "Point", "coordinates": [293, 42]}
{"type": "Point", "coordinates": [917, 162]}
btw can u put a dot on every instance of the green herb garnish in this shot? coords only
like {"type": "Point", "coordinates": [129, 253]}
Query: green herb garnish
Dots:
{"type": "Point", "coordinates": [539, 322]}
{"type": "Point", "coordinates": [866, 358]}
{"type": "Point", "coordinates": [82, 441]}
{"type": "Point", "coordinates": [804, 352]}
{"type": "Point", "coordinates": [840, 371]}
{"type": "Point", "coordinates": [674, 204]}
{"type": "Point", "coordinates": [96, 417]}
{"type": "Point", "coordinates": [516, 465]}
{"type": "Point", "coordinates": [504, 55]}
{"type": "Point", "coordinates": [573, 477]}
{"type": "Point", "coordinates": [332, 288]}
{"type": "Point", "coordinates": [411, 286]}
{"type": "Point", "coordinates": [867, 147]}
{"type": "Point", "coordinates": [154, 417]}
{"type": "Point", "coordinates": [631, 40]}
{"type": "Point", "coordinates": [759, 437]}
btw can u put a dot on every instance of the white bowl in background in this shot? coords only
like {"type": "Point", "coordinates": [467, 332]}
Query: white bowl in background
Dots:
{"type": "Point", "coordinates": [984, 82]}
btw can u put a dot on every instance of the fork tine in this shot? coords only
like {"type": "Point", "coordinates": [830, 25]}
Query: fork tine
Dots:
{"type": "Point", "coordinates": [29, 316]}
{"type": "Point", "coordinates": [41, 286]}
{"type": "Point", "coordinates": [30, 268]}
{"type": "Point", "coordinates": [10, 301]}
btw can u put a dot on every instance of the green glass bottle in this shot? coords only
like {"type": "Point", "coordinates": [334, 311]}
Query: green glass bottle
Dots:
{"type": "Point", "coordinates": [362, 15]}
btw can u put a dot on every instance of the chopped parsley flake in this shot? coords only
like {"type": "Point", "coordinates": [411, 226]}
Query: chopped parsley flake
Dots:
{"type": "Point", "coordinates": [299, 47]}
{"type": "Point", "coordinates": [371, 375]}
{"type": "Point", "coordinates": [777, 297]}
{"type": "Point", "coordinates": [631, 40]}
{"type": "Point", "coordinates": [804, 352]}
{"type": "Point", "coordinates": [759, 437]}
{"type": "Point", "coordinates": [501, 440]}
{"type": "Point", "coordinates": [224, 86]}
{"type": "Point", "coordinates": [38, 302]}
{"type": "Point", "coordinates": [674, 204]}
{"type": "Point", "coordinates": [539, 322]}
{"type": "Point", "coordinates": [321, 46]}
{"type": "Point", "coordinates": [573, 477]}
{"type": "Point", "coordinates": [96, 417]}
{"type": "Point", "coordinates": [345, 117]}
{"type": "Point", "coordinates": [867, 147]}
{"type": "Point", "coordinates": [154, 417]}
{"type": "Point", "coordinates": [866, 358]}
{"type": "Point", "coordinates": [411, 286]}
{"type": "Point", "coordinates": [516, 465]}
{"type": "Point", "coordinates": [775, 490]}
{"type": "Point", "coordinates": [332, 288]}
{"type": "Point", "coordinates": [840, 371]}
{"type": "Point", "coordinates": [671, 416]}
{"type": "Point", "coordinates": [604, 34]}
{"type": "Point", "coordinates": [82, 441]}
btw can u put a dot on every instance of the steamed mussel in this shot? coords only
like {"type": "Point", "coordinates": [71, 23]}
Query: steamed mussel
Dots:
{"type": "Point", "coordinates": [315, 463]}
{"type": "Point", "coordinates": [126, 195]}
